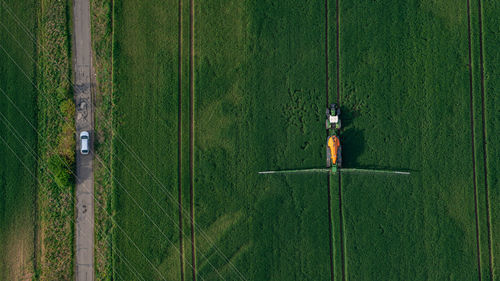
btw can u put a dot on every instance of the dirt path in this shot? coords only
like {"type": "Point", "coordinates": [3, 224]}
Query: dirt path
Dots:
{"type": "Point", "coordinates": [84, 225]}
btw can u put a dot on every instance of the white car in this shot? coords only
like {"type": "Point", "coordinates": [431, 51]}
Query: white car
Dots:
{"type": "Point", "coordinates": [84, 142]}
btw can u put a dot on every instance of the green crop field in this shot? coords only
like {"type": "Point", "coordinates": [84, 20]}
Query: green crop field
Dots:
{"type": "Point", "coordinates": [17, 166]}
{"type": "Point", "coordinates": [244, 122]}
{"type": "Point", "coordinates": [206, 96]}
{"type": "Point", "coordinates": [145, 91]}
{"type": "Point", "coordinates": [405, 88]}
{"type": "Point", "coordinates": [259, 105]}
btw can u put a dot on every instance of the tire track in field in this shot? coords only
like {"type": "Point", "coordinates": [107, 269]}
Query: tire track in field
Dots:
{"type": "Point", "coordinates": [341, 222]}
{"type": "Point", "coordinates": [179, 136]}
{"type": "Point", "coordinates": [478, 249]}
{"type": "Point", "coordinates": [191, 133]}
{"type": "Point", "coordinates": [487, 199]}
{"type": "Point", "coordinates": [341, 216]}
{"type": "Point", "coordinates": [330, 224]}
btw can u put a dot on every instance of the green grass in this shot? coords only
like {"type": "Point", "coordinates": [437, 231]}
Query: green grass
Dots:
{"type": "Point", "coordinates": [405, 89]}
{"type": "Point", "coordinates": [259, 97]}
{"type": "Point", "coordinates": [145, 98]}
{"type": "Point", "coordinates": [17, 183]}
{"type": "Point", "coordinates": [491, 42]}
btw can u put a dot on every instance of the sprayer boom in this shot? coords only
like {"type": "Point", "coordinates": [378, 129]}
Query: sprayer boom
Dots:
{"type": "Point", "coordinates": [355, 170]}
{"type": "Point", "coordinates": [296, 171]}
{"type": "Point", "coordinates": [340, 170]}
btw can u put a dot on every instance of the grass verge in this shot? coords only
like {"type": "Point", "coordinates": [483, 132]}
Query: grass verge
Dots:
{"type": "Point", "coordinates": [101, 21]}
{"type": "Point", "coordinates": [56, 143]}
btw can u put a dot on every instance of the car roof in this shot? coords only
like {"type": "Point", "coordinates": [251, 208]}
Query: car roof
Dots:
{"type": "Point", "coordinates": [85, 145]}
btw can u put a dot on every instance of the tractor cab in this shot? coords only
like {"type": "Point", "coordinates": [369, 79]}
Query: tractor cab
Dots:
{"type": "Point", "coordinates": [333, 153]}
{"type": "Point", "coordinates": [333, 117]}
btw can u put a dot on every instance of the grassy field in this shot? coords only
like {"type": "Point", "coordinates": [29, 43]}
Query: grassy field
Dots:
{"type": "Point", "coordinates": [17, 166]}
{"type": "Point", "coordinates": [260, 94]}
{"type": "Point", "coordinates": [405, 88]}
{"type": "Point", "coordinates": [146, 102]}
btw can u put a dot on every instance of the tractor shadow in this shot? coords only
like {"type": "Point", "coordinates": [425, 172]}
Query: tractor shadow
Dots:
{"type": "Point", "coordinates": [347, 115]}
{"type": "Point", "coordinates": [352, 139]}
{"type": "Point", "coordinates": [353, 145]}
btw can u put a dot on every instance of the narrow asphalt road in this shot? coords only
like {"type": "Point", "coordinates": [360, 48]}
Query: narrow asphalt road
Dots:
{"type": "Point", "coordinates": [84, 232]}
